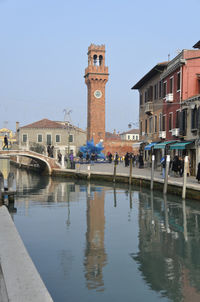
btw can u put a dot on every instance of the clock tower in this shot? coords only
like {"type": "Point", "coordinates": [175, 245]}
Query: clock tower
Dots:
{"type": "Point", "coordinates": [96, 77]}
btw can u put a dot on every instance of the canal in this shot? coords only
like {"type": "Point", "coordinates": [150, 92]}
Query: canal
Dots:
{"type": "Point", "coordinates": [96, 242]}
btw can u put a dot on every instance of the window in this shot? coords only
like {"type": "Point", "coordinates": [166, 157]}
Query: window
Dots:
{"type": "Point", "coordinates": [145, 96]}
{"type": "Point", "coordinates": [178, 81]}
{"type": "Point", "coordinates": [150, 94]}
{"type": "Point", "coordinates": [39, 138]}
{"type": "Point", "coordinates": [177, 118]}
{"type": "Point", "coordinates": [133, 136]}
{"type": "Point", "coordinates": [163, 123]}
{"type": "Point", "coordinates": [171, 81]}
{"type": "Point", "coordinates": [57, 138]}
{"type": "Point", "coordinates": [155, 124]}
{"type": "Point", "coordinates": [145, 126]}
{"type": "Point", "coordinates": [128, 136]}
{"type": "Point", "coordinates": [48, 139]}
{"type": "Point", "coordinates": [170, 121]}
{"type": "Point", "coordinates": [194, 119]}
{"type": "Point", "coordinates": [140, 127]}
{"type": "Point", "coordinates": [160, 122]}
{"type": "Point", "coordinates": [160, 89]}
{"type": "Point", "coordinates": [164, 89]}
{"type": "Point", "coordinates": [141, 99]}
{"type": "Point", "coordinates": [150, 124]}
{"type": "Point", "coordinates": [155, 92]}
{"type": "Point", "coordinates": [71, 138]}
{"type": "Point", "coordinates": [24, 138]}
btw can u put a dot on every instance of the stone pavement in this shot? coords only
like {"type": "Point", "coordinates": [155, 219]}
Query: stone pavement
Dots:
{"type": "Point", "coordinates": [144, 173]}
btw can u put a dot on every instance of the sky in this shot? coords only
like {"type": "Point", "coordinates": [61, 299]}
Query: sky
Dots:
{"type": "Point", "coordinates": [43, 54]}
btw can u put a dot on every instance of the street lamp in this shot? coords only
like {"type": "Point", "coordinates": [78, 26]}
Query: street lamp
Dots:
{"type": "Point", "coordinates": [135, 124]}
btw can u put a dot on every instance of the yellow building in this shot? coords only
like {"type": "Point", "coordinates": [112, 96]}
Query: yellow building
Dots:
{"type": "Point", "coordinates": [10, 135]}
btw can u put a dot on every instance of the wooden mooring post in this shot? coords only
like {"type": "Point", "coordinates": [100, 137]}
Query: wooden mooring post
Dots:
{"type": "Point", "coordinates": [152, 171]}
{"type": "Point", "coordinates": [115, 171]}
{"type": "Point", "coordinates": [166, 174]}
{"type": "Point", "coordinates": [185, 177]}
{"type": "Point", "coordinates": [130, 171]}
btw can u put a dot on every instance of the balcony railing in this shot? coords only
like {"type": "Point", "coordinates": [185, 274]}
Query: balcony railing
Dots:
{"type": "Point", "coordinates": [162, 134]}
{"type": "Point", "coordinates": [169, 98]}
{"type": "Point", "coordinates": [149, 108]}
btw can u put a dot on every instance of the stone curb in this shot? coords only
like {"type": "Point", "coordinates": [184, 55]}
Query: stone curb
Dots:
{"type": "Point", "coordinates": [22, 281]}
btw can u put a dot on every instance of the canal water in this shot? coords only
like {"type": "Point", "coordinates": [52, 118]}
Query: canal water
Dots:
{"type": "Point", "coordinates": [97, 242]}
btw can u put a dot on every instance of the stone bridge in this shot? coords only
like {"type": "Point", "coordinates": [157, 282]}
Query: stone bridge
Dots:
{"type": "Point", "coordinates": [46, 163]}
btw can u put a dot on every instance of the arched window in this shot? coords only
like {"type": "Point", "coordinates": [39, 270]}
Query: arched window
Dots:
{"type": "Point", "coordinates": [100, 60]}
{"type": "Point", "coordinates": [95, 60]}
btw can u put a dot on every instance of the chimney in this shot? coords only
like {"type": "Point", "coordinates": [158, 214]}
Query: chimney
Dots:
{"type": "Point", "coordinates": [17, 126]}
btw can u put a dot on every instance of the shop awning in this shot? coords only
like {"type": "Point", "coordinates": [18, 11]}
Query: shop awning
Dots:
{"type": "Point", "coordinates": [180, 145]}
{"type": "Point", "coordinates": [163, 144]}
{"type": "Point", "coordinates": [148, 147]}
{"type": "Point", "coordinates": [136, 145]}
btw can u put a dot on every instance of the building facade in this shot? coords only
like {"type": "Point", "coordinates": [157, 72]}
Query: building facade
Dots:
{"type": "Point", "coordinates": [132, 135]}
{"type": "Point", "coordinates": [62, 135]}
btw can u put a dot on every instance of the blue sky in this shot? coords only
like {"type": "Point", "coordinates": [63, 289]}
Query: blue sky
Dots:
{"type": "Point", "coordinates": [43, 54]}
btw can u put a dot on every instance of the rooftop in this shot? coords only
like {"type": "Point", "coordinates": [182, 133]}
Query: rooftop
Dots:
{"type": "Point", "coordinates": [156, 69]}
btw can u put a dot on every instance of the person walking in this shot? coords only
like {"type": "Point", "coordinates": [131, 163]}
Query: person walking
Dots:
{"type": "Point", "coordinates": [126, 159]}
{"type": "Point", "coordinates": [116, 158]}
{"type": "Point", "coordinates": [198, 173]}
{"type": "Point", "coordinates": [5, 142]}
{"type": "Point", "coordinates": [141, 161]}
{"type": "Point", "coordinates": [163, 164]}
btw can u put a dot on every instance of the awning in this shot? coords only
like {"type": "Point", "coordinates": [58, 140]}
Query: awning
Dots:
{"type": "Point", "coordinates": [136, 145]}
{"type": "Point", "coordinates": [163, 144]}
{"type": "Point", "coordinates": [180, 145]}
{"type": "Point", "coordinates": [148, 147]}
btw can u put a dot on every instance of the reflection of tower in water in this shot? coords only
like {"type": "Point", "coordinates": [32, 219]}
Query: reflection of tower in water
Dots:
{"type": "Point", "coordinates": [95, 256]}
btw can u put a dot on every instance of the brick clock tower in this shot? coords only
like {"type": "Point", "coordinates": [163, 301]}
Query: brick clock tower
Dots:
{"type": "Point", "coordinates": [96, 77]}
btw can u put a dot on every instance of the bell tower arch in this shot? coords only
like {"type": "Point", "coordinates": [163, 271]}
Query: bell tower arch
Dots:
{"type": "Point", "coordinates": [96, 77]}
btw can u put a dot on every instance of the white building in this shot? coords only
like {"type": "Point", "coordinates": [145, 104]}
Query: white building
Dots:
{"type": "Point", "coordinates": [131, 135]}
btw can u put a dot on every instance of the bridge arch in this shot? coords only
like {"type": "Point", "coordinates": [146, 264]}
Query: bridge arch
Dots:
{"type": "Point", "coordinates": [46, 163]}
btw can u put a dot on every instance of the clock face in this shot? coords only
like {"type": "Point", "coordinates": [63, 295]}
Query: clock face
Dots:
{"type": "Point", "coordinates": [98, 94]}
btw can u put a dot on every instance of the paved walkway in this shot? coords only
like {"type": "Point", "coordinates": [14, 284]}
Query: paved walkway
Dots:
{"type": "Point", "coordinates": [144, 173]}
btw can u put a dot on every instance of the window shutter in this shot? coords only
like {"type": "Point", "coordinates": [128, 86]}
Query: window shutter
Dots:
{"type": "Point", "coordinates": [198, 119]}
{"type": "Point", "coordinates": [181, 122]}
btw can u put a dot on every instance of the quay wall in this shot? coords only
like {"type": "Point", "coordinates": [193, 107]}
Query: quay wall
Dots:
{"type": "Point", "coordinates": [19, 278]}
{"type": "Point", "coordinates": [192, 192]}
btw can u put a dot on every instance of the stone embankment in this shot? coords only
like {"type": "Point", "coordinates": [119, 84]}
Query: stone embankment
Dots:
{"type": "Point", "coordinates": [141, 177]}
{"type": "Point", "coordinates": [19, 279]}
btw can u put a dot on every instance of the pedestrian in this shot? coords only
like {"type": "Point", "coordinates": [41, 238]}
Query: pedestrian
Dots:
{"type": "Point", "coordinates": [181, 167]}
{"type": "Point", "coordinates": [49, 150]}
{"type": "Point", "coordinates": [71, 158]}
{"type": "Point", "coordinates": [198, 173]}
{"type": "Point", "coordinates": [175, 165]}
{"type": "Point", "coordinates": [5, 142]}
{"type": "Point", "coordinates": [92, 158]}
{"type": "Point", "coordinates": [110, 157]}
{"type": "Point", "coordinates": [126, 159]}
{"type": "Point", "coordinates": [87, 157]}
{"type": "Point", "coordinates": [141, 161]}
{"type": "Point", "coordinates": [59, 157]}
{"type": "Point", "coordinates": [163, 164]}
{"type": "Point", "coordinates": [116, 158]}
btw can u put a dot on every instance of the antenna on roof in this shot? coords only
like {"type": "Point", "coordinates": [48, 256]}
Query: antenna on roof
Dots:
{"type": "Point", "coordinates": [67, 117]}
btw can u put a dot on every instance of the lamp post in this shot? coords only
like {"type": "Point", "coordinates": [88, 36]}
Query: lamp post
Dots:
{"type": "Point", "coordinates": [68, 126]}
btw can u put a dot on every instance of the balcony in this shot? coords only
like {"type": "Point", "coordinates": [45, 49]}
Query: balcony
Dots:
{"type": "Point", "coordinates": [175, 131]}
{"type": "Point", "coordinates": [169, 98]}
{"type": "Point", "coordinates": [162, 134]}
{"type": "Point", "coordinates": [148, 108]}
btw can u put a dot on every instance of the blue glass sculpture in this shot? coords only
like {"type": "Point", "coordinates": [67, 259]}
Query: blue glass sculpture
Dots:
{"type": "Point", "coordinates": [90, 148]}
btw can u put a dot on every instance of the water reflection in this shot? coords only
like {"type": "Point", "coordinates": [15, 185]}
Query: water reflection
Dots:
{"type": "Point", "coordinates": [91, 240]}
{"type": "Point", "coordinates": [95, 255]}
{"type": "Point", "coordinates": [168, 258]}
